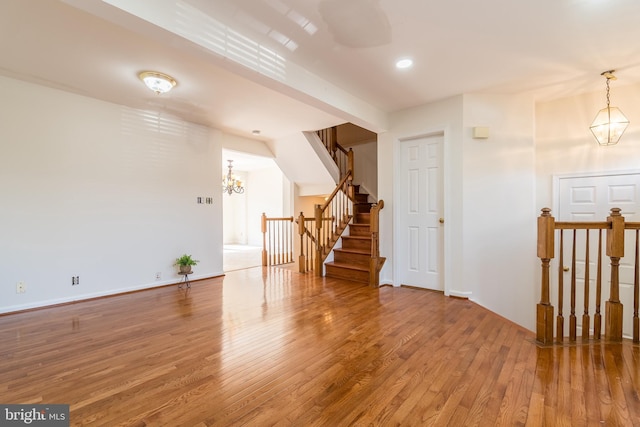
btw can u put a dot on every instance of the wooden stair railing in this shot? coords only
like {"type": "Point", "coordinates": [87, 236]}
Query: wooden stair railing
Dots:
{"type": "Point", "coordinates": [331, 218]}
{"type": "Point", "coordinates": [616, 228]}
{"type": "Point", "coordinates": [309, 243]}
{"type": "Point", "coordinates": [277, 240]}
{"type": "Point", "coordinates": [341, 156]}
{"type": "Point", "coordinates": [319, 234]}
{"type": "Point", "coordinates": [359, 258]}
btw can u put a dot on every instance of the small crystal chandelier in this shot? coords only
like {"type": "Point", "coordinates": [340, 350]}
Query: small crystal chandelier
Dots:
{"type": "Point", "coordinates": [610, 123]}
{"type": "Point", "coordinates": [230, 184]}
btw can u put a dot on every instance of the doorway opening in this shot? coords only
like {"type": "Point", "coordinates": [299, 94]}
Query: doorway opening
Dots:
{"type": "Point", "coordinates": [264, 187]}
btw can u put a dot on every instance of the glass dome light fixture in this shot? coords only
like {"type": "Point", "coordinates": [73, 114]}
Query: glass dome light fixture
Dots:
{"type": "Point", "coordinates": [610, 123]}
{"type": "Point", "coordinates": [157, 82]}
{"type": "Point", "coordinates": [230, 184]}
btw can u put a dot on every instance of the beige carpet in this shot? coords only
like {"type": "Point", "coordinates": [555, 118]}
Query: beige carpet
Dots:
{"type": "Point", "coordinates": [238, 257]}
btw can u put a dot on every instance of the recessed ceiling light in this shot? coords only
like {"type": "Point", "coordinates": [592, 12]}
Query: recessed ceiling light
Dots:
{"type": "Point", "coordinates": [157, 82]}
{"type": "Point", "coordinates": [404, 63]}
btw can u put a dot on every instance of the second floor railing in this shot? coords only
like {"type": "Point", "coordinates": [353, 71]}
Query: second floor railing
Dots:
{"type": "Point", "coordinates": [277, 240]}
{"type": "Point", "coordinates": [580, 254]}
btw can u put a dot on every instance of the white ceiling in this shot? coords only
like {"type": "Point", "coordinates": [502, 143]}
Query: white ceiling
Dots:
{"type": "Point", "coordinates": [336, 56]}
{"type": "Point", "coordinates": [245, 161]}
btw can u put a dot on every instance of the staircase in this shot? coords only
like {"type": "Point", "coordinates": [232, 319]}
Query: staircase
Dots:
{"type": "Point", "coordinates": [347, 216]}
{"type": "Point", "coordinates": [353, 260]}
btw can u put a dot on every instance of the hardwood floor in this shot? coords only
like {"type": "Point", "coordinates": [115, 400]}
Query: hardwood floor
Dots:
{"type": "Point", "coordinates": [274, 347]}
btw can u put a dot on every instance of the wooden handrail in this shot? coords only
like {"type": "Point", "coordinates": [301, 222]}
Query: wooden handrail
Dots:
{"type": "Point", "coordinates": [341, 186]}
{"type": "Point", "coordinates": [615, 227]}
{"type": "Point", "coordinates": [571, 225]}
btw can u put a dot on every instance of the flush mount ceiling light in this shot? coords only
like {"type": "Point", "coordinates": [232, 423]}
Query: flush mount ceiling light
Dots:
{"type": "Point", "coordinates": [610, 123]}
{"type": "Point", "coordinates": [157, 82]}
{"type": "Point", "coordinates": [404, 63]}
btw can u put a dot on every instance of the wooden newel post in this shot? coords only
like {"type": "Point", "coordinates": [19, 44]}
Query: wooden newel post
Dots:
{"type": "Point", "coordinates": [264, 239]}
{"type": "Point", "coordinates": [374, 228]}
{"type": "Point", "coordinates": [544, 313]}
{"type": "Point", "coordinates": [319, 240]}
{"type": "Point", "coordinates": [615, 251]}
{"type": "Point", "coordinates": [302, 261]}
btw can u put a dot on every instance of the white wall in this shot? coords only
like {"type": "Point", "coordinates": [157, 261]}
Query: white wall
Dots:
{"type": "Point", "coordinates": [489, 198]}
{"type": "Point", "coordinates": [499, 216]}
{"type": "Point", "coordinates": [365, 158]}
{"type": "Point", "coordinates": [444, 116]}
{"type": "Point", "coordinates": [265, 194]}
{"type": "Point", "coordinates": [565, 145]}
{"type": "Point", "coordinates": [100, 191]}
{"type": "Point", "coordinates": [300, 163]}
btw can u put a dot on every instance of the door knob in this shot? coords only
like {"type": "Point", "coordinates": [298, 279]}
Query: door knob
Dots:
{"type": "Point", "coordinates": [565, 268]}
{"type": "Point", "coordinates": [441, 220]}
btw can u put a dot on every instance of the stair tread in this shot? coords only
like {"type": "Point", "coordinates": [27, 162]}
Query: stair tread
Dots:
{"type": "Point", "coordinates": [357, 237]}
{"type": "Point", "coordinates": [354, 251]}
{"type": "Point", "coordinates": [347, 266]}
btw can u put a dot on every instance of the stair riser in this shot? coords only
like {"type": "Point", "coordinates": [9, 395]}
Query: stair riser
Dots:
{"type": "Point", "coordinates": [362, 218]}
{"type": "Point", "coordinates": [351, 258]}
{"type": "Point", "coordinates": [359, 230]}
{"type": "Point", "coordinates": [347, 274]}
{"type": "Point", "coordinates": [361, 208]}
{"type": "Point", "coordinates": [359, 244]}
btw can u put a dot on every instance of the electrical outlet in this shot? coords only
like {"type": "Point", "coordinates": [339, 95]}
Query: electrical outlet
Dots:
{"type": "Point", "coordinates": [158, 275]}
{"type": "Point", "coordinates": [75, 280]}
{"type": "Point", "coordinates": [21, 288]}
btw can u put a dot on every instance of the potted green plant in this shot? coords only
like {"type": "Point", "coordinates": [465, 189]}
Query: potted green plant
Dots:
{"type": "Point", "coordinates": [185, 262]}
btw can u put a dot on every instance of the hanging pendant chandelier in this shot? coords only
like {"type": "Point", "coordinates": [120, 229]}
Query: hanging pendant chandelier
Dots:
{"type": "Point", "coordinates": [610, 123]}
{"type": "Point", "coordinates": [230, 184]}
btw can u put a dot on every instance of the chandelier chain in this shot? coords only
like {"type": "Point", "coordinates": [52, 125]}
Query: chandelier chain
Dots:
{"type": "Point", "coordinates": [230, 184]}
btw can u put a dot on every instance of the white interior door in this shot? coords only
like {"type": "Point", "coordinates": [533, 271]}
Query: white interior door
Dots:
{"type": "Point", "coordinates": [590, 198]}
{"type": "Point", "coordinates": [420, 201]}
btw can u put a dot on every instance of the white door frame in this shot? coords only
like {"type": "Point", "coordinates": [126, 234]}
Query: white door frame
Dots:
{"type": "Point", "coordinates": [446, 185]}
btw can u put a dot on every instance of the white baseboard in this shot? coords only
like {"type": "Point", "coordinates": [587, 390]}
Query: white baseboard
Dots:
{"type": "Point", "coordinates": [110, 292]}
